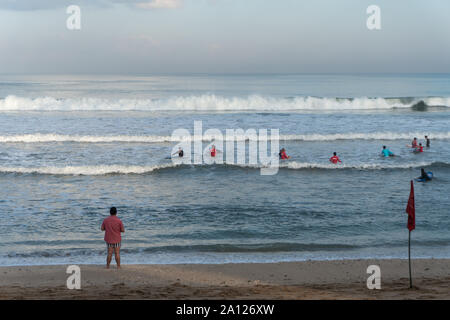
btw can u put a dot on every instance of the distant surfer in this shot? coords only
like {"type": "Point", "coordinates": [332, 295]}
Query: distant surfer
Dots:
{"type": "Point", "coordinates": [180, 152]}
{"type": "Point", "coordinates": [335, 159]}
{"type": "Point", "coordinates": [413, 144]}
{"type": "Point", "coordinates": [428, 141]}
{"type": "Point", "coordinates": [283, 155]}
{"type": "Point", "coordinates": [424, 176]}
{"type": "Point", "coordinates": [419, 149]}
{"type": "Point", "coordinates": [386, 152]}
{"type": "Point", "coordinates": [213, 151]}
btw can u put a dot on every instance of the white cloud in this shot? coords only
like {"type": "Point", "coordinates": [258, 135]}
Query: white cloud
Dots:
{"type": "Point", "coordinates": [158, 4]}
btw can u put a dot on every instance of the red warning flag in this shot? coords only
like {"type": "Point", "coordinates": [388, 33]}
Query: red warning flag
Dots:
{"type": "Point", "coordinates": [411, 210]}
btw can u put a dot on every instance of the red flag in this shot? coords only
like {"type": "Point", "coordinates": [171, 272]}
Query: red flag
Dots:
{"type": "Point", "coordinates": [411, 210]}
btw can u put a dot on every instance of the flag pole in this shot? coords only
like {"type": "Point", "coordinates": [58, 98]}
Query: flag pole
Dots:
{"type": "Point", "coordinates": [409, 259]}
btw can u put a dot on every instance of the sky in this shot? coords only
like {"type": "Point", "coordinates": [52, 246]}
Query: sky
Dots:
{"type": "Point", "coordinates": [224, 36]}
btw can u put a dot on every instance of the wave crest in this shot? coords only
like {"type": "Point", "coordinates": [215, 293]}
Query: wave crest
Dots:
{"type": "Point", "coordinates": [46, 138]}
{"type": "Point", "coordinates": [124, 169]}
{"type": "Point", "coordinates": [87, 170]}
{"type": "Point", "coordinates": [364, 166]}
{"type": "Point", "coordinates": [218, 103]}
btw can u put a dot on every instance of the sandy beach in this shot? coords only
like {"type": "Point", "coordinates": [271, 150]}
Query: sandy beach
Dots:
{"type": "Point", "coordinates": [344, 279]}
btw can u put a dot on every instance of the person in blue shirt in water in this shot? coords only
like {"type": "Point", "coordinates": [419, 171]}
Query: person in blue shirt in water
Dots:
{"type": "Point", "coordinates": [386, 152]}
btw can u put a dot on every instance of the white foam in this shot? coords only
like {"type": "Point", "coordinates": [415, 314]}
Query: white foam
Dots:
{"type": "Point", "coordinates": [123, 169]}
{"type": "Point", "coordinates": [213, 103]}
{"type": "Point", "coordinates": [87, 170]}
{"type": "Point", "coordinates": [48, 138]}
{"type": "Point", "coordinates": [367, 136]}
{"type": "Point", "coordinates": [363, 166]}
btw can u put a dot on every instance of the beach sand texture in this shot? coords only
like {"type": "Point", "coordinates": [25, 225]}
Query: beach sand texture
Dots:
{"type": "Point", "coordinates": [341, 279]}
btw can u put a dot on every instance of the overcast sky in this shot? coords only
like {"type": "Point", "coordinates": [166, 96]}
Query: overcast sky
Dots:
{"type": "Point", "coordinates": [224, 36]}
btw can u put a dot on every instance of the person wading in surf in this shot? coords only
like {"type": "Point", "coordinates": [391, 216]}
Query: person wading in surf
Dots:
{"type": "Point", "coordinates": [283, 155]}
{"type": "Point", "coordinates": [419, 149]}
{"type": "Point", "coordinates": [335, 159]}
{"type": "Point", "coordinates": [386, 152]}
{"type": "Point", "coordinates": [213, 151]}
{"type": "Point", "coordinates": [180, 152]}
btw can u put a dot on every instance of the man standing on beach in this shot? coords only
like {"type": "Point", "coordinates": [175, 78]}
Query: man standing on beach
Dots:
{"type": "Point", "coordinates": [113, 226]}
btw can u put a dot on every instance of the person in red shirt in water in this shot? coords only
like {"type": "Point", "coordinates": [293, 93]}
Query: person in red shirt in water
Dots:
{"type": "Point", "coordinates": [335, 159]}
{"type": "Point", "coordinates": [213, 151]}
{"type": "Point", "coordinates": [113, 226]}
{"type": "Point", "coordinates": [283, 155]}
{"type": "Point", "coordinates": [419, 149]}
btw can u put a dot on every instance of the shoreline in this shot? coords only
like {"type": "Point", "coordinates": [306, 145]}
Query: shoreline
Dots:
{"type": "Point", "coordinates": [328, 279]}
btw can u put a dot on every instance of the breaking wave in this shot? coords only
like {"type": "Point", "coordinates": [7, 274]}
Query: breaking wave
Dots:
{"type": "Point", "coordinates": [47, 138]}
{"type": "Point", "coordinates": [86, 170]}
{"type": "Point", "coordinates": [364, 166]}
{"type": "Point", "coordinates": [219, 103]}
{"type": "Point", "coordinates": [124, 169]}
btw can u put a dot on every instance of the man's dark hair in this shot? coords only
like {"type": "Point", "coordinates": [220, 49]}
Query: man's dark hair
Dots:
{"type": "Point", "coordinates": [113, 211]}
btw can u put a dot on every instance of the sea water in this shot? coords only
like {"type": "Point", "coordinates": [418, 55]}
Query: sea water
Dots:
{"type": "Point", "coordinates": [73, 146]}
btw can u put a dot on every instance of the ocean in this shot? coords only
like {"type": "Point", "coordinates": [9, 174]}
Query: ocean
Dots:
{"type": "Point", "coordinates": [73, 146]}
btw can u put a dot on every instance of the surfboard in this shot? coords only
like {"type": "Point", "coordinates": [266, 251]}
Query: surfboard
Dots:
{"type": "Point", "coordinates": [430, 175]}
